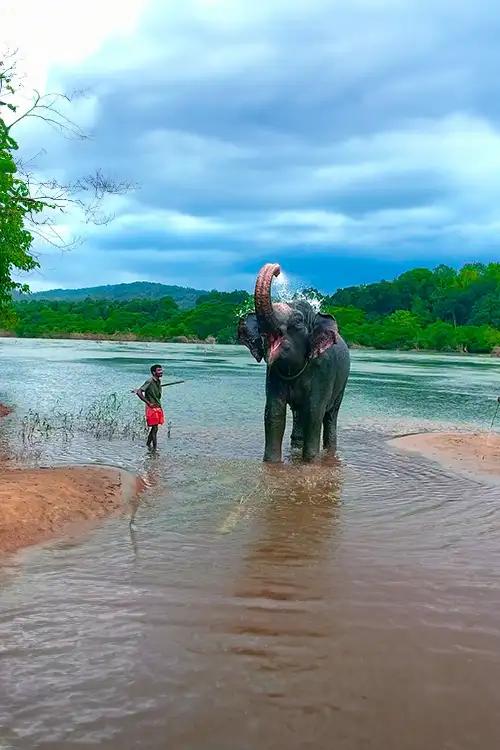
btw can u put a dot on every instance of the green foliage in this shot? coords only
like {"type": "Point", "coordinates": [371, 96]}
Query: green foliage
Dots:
{"type": "Point", "coordinates": [441, 294]}
{"type": "Point", "coordinates": [400, 330]}
{"type": "Point", "coordinates": [346, 316]}
{"type": "Point", "coordinates": [16, 206]}
{"type": "Point", "coordinates": [441, 309]}
{"type": "Point", "coordinates": [477, 338]}
{"type": "Point", "coordinates": [436, 302]}
{"type": "Point", "coordinates": [215, 315]}
{"type": "Point", "coordinates": [29, 203]}
{"type": "Point", "coordinates": [235, 298]}
{"type": "Point", "coordinates": [155, 320]}
{"type": "Point", "coordinates": [439, 336]}
{"type": "Point", "coordinates": [139, 318]}
{"type": "Point", "coordinates": [184, 297]}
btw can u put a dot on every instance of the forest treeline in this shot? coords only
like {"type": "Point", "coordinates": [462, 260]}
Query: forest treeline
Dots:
{"type": "Point", "coordinates": [441, 309]}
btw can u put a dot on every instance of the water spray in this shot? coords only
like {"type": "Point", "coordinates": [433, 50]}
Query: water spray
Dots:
{"type": "Point", "coordinates": [286, 289]}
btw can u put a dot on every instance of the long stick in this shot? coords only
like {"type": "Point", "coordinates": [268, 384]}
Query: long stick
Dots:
{"type": "Point", "coordinates": [163, 385]}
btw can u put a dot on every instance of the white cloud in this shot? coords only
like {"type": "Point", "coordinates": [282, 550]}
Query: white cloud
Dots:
{"type": "Point", "coordinates": [170, 222]}
{"type": "Point", "coordinates": [62, 33]}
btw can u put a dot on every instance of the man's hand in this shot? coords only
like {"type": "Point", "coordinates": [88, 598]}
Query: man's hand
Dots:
{"type": "Point", "coordinates": [140, 394]}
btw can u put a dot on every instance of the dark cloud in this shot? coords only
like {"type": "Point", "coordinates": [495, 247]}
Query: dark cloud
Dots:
{"type": "Point", "coordinates": [359, 129]}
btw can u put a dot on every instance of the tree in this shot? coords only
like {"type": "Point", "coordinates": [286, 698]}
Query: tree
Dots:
{"type": "Point", "coordinates": [448, 304]}
{"type": "Point", "coordinates": [439, 336]}
{"type": "Point", "coordinates": [486, 310]}
{"type": "Point", "coordinates": [400, 330]}
{"type": "Point", "coordinates": [477, 339]}
{"type": "Point", "coordinates": [29, 207]}
{"type": "Point", "coordinates": [16, 206]}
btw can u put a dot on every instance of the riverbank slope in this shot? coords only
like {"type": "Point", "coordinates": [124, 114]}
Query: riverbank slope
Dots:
{"type": "Point", "coordinates": [471, 453]}
{"type": "Point", "coordinates": [39, 504]}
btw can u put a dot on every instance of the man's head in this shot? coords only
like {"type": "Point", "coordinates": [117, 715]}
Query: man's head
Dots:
{"type": "Point", "coordinates": [157, 371]}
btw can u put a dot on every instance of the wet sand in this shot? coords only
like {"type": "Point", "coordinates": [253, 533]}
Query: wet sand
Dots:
{"type": "Point", "coordinates": [472, 453]}
{"type": "Point", "coordinates": [39, 504]}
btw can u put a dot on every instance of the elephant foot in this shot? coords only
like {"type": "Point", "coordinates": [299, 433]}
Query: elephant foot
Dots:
{"type": "Point", "coordinates": [310, 458]}
{"type": "Point", "coordinates": [331, 448]}
{"type": "Point", "coordinates": [272, 459]}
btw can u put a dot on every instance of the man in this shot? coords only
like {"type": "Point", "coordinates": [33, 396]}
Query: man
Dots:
{"type": "Point", "coordinates": [150, 393]}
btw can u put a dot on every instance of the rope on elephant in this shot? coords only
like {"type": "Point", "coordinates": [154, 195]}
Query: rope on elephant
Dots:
{"type": "Point", "coordinates": [292, 377]}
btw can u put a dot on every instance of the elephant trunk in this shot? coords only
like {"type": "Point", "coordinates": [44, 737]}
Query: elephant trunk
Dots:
{"type": "Point", "coordinates": [266, 316]}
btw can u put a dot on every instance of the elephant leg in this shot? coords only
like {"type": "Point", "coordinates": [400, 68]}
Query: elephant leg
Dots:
{"type": "Point", "coordinates": [330, 425]}
{"type": "Point", "coordinates": [312, 434]}
{"type": "Point", "coordinates": [330, 431]}
{"type": "Point", "coordinates": [297, 437]}
{"type": "Point", "coordinates": [274, 421]}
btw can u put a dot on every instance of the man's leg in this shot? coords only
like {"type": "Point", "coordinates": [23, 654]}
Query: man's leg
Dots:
{"type": "Point", "coordinates": [154, 435]}
{"type": "Point", "coordinates": [151, 433]}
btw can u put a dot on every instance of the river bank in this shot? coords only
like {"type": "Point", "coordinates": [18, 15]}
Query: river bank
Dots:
{"type": "Point", "coordinates": [37, 505]}
{"type": "Point", "coordinates": [126, 338]}
{"type": "Point", "coordinates": [470, 453]}
{"type": "Point", "coordinates": [113, 337]}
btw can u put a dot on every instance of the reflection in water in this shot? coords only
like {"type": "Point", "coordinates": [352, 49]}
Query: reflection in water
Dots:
{"type": "Point", "coordinates": [282, 575]}
{"type": "Point", "coordinates": [294, 522]}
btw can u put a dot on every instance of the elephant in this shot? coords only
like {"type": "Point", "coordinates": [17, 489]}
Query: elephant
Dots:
{"type": "Point", "coordinates": [308, 367]}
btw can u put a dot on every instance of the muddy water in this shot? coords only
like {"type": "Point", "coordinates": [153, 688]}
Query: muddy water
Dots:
{"type": "Point", "coordinates": [354, 604]}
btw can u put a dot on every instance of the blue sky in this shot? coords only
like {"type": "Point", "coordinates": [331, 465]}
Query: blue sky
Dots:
{"type": "Point", "coordinates": [347, 139]}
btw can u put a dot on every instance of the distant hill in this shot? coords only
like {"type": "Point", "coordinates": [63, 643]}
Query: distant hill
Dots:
{"type": "Point", "coordinates": [185, 297]}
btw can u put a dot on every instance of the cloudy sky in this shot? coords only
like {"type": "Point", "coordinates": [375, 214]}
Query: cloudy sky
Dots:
{"type": "Point", "coordinates": [346, 139]}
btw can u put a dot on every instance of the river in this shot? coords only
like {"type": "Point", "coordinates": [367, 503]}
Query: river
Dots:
{"type": "Point", "coordinates": [352, 604]}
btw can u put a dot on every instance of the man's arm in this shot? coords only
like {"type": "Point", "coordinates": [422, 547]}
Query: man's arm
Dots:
{"type": "Point", "coordinates": [141, 393]}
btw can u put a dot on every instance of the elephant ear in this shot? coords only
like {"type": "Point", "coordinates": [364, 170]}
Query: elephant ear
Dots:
{"type": "Point", "coordinates": [249, 335]}
{"type": "Point", "coordinates": [325, 334]}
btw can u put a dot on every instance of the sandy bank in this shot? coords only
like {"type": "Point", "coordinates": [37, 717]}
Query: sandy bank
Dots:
{"type": "Point", "coordinates": [473, 453]}
{"type": "Point", "coordinates": [39, 504]}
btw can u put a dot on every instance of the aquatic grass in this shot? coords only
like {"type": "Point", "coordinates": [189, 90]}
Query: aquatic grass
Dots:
{"type": "Point", "coordinates": [106, 418]}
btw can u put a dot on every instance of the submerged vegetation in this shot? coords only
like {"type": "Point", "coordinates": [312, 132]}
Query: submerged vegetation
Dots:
{"type": "Point", "coordinates": [106, 418]}
{"type": "Point", "coordinates": [441, 309]}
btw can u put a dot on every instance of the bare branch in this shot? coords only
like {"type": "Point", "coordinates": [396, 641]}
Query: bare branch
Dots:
{"type": "Point", "coordinates": [47, 199]}
{"type": "Point", "coordinates": [44, 108]}
{"type": "Point", "coordinates": [102, 185]}
{"type": "Point", "coordinates": [22, 164]}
